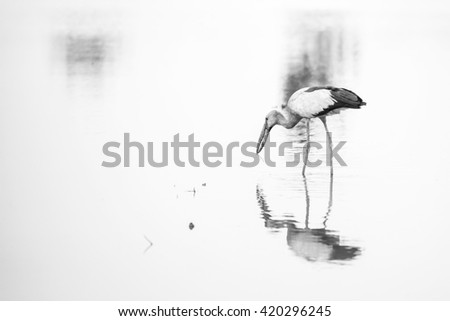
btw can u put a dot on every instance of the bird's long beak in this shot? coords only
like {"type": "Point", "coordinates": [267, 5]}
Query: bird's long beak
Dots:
{"type": "Point", "coordinates": [263, 137]}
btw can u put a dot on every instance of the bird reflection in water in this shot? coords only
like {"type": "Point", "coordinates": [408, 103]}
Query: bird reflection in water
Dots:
{"type": "Point", "coordinates": [312, 244]}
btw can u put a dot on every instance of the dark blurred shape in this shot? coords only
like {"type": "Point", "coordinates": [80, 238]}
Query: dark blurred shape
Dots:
{"type": "Point", "coordinates": [320, 50]}
{"type": "Point", "coordinates": [86, 54]}
{"type": "Point", "coordinates": [191, 226]}
{"type": "Point", "coordinates": [86, 45]}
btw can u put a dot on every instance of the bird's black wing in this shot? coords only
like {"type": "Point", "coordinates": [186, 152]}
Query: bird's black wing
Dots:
{"type": "Point", "coordinates": [343, 98]}
{"type": "Point", "coordinates": [346, 97]}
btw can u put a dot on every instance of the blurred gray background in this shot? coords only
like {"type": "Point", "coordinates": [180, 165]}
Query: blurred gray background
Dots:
{"type": "Point", "coordinates": [77, 74]}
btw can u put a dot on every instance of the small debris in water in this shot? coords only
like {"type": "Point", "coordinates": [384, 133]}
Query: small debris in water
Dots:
{"type": "Point", "coordinates": [193, 191]}
{"type": "Point", "coordinates": [150, 244]}
{"type": "Point", "coordinates": [191, 226]}
{"type": "Point", "coordinates": [204, 184]}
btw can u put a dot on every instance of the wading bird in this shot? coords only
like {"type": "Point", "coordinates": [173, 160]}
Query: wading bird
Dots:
{"type": "Point", "coordinates": [310, 102]}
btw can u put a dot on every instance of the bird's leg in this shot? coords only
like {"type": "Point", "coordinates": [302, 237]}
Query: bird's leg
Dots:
{"type": "Point", "coordinates": [329, 143]}
{"type": "Point", "coordinates": [330, 202]}
{"type": "Point", "coordinates": [305, 156]}
{"type": "Point", "coordinates": [307, 203]}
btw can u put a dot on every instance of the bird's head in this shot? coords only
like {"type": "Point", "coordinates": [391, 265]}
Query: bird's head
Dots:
{"type": "Point", "coordinates": [272, 119]}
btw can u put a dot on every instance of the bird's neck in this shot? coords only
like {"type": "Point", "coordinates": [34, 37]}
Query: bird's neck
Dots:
{"type": "Point", "coordinates": [288, 119]}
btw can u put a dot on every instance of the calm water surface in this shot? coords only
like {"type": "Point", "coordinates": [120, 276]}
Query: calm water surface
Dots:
{"type": "Point", "coordinates": [77, 76]}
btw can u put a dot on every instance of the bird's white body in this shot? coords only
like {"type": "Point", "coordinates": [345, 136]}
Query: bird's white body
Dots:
{"type": "Point", "coordinates": [309, 104]}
